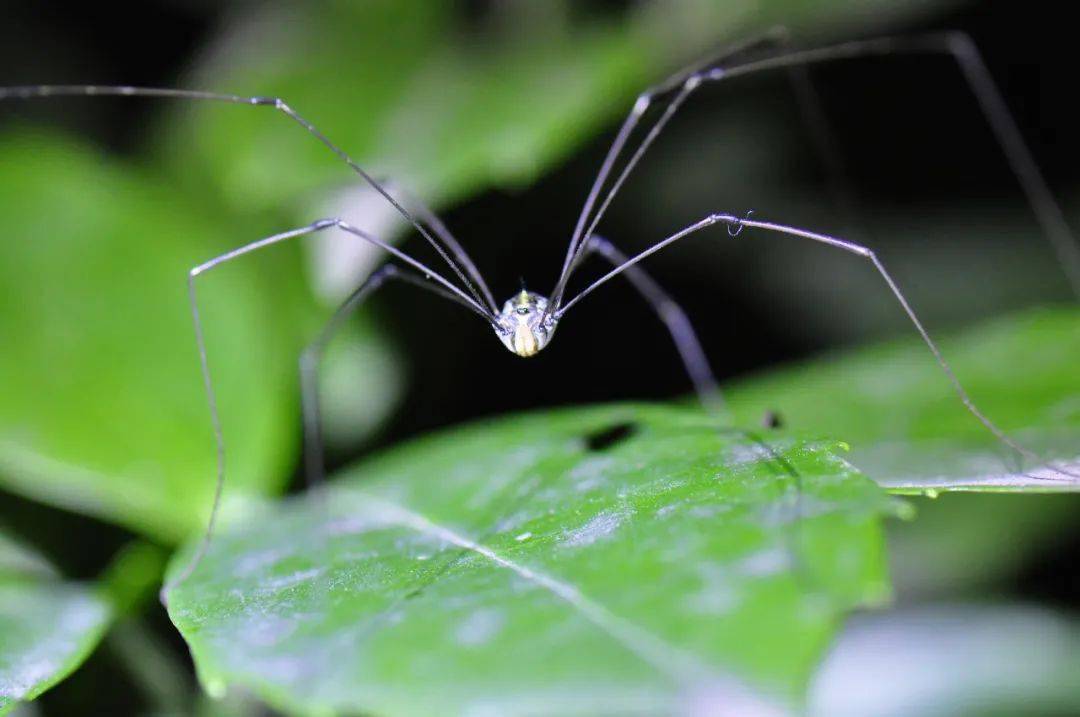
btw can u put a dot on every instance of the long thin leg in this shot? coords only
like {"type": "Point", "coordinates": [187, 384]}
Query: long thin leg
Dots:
{"type": "Point", "coordinates": [215, 419]}
{"type": "Point", "coordinates": [960, 46]}
{"type": "Point", "coordinates": [641, 105]}
{"type": "Point", "coordinates": [311, 358]}
{"type": "Point", "coordinates": [40, 91]}
{"type": "Point", "coordinates": [439, 228]}
{"type": "Point", "coordinates": [674, 318]}
{"type": "Point", "coordinates": [957, 45]}
{"type": "Point", "coordinates": [735, 226]}
{"type": "Point", "coordinates": [810, 108]}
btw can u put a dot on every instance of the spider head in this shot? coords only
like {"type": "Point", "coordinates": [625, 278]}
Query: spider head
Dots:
{"type": "Point", "coordinates": [521, 324]}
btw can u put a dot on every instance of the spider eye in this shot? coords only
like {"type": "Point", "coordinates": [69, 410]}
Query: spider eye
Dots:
{"type": "Point", "coordinates": [523, 311]}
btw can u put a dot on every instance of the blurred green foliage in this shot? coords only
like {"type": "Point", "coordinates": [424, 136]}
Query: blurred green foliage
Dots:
{"type": "Point", "coordinates": [968, 659]}
{"type": "Point", "coordinates": [967, 544]}
{"type": "Point", "coordinates": [103, 408]}
{"type": "Point", "coordinates": [49, 626]}
{"type": "Point", "coordinates": [446, 106]}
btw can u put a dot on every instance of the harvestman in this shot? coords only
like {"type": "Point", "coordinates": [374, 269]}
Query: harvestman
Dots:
{"type": "Point", "coordinates": [526, 322]}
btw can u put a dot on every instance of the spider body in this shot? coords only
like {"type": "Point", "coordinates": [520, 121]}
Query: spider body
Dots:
{"type": "Point", "coordinates": [523, 325]}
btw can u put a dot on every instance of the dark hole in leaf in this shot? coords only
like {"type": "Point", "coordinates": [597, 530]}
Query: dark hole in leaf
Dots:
{"type": "Point", "coordinates": [772, 419]}
{"type": "Point", "coordinates": [607, 437]}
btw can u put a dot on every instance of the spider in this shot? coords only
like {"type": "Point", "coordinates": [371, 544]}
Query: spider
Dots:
{"type": "Point", "coordinates": [526, 323]}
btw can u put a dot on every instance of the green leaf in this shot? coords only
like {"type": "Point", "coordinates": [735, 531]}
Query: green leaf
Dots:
{"type": "Point", "coordinates": [906, 426]}
{"type": "Point", "coordinates": [46, 630]}
{"type": "Point", "coordinates": [103, 409]}
{"type": "Point", "coordinates": [613, 556]}
{"type": "Point", "coordinates": [47, 627]}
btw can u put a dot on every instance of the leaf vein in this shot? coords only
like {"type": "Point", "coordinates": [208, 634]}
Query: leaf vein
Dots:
{"type": "Point", "coordinates": [666, 658]}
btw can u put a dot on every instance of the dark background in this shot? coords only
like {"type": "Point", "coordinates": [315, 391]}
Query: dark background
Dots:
{"type": "Point", "coordinates": [911, 139]}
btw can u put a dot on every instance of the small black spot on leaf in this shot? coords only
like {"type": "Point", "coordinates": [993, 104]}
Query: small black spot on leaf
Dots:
{"type": "Point", "coordinates": [607, 437]}
{"type": "Point", "coordinates": [772, 419]}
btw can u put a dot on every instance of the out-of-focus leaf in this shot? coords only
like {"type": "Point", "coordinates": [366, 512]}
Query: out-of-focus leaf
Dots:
{"type": "Point", "coordinates": [360, 384]}
{"type": "Point", "coordinates": [46, 630]}
{"type": "Point", "coordinates": [18, 559]}
{"type": "Point", "coordinates": [608, 559]}
{"type": "Point", "coordinates": [447, 108]}
{"type": "Point", "coordinates": [48, 627]}
{"type": "Point", "coordinates": [953, 660]}
{"type": "Point", "coordinates": [910, 432]}
{"type": "Point", "coordinates": [962, 544]}
{"type": "Point", "coordinates": [446, 105]}
{"type": "Point", "coordinates": [103, 409]}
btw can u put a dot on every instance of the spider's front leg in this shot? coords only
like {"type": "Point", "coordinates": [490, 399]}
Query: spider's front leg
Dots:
{"type": "Point", "coordinates": [211, 396]}
{"type": "Point", "coordinates": [736, 224]}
